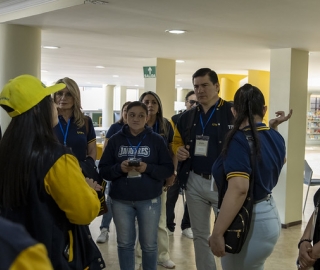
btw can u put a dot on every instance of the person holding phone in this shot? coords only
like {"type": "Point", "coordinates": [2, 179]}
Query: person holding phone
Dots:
{"type": "Point", "coordinates": [136, 161]}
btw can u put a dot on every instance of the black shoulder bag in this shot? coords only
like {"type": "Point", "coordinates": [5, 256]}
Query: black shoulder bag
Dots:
{"type": "Point", "coordinates": [235, 236]}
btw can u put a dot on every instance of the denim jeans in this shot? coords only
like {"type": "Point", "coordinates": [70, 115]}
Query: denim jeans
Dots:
{"type": "Point", "coordinates": [262, 237]}
{"type": "Point", "coordinates": [107, 217]}
{"type": "Point", "coordinates": [172, 197]}
{"type": "Point", "coordinates": [148, 214]}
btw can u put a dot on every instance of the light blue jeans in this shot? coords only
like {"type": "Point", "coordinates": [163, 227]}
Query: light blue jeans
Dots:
{"type": "Point", "coordinates": [263, 235]}
{"type": "Point", "coordinates": [148, 215]}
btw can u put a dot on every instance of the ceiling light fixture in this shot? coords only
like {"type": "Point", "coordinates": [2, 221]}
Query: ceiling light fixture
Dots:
{"type": "Point", "coordinates": [176, 31]}
{"type": "Point", "coordinates": [179, 61]}
{"type": "Point", "coordinates": [51, 47]}
{"type": "Point", "coordinates": [100, 67]}
{"type": "Point", "coordinates": [97, 2]}
{"type": "Point", "coordinates": [115, 76]}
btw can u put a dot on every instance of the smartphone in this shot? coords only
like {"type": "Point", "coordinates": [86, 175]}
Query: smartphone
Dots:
{"type": "Point", "coordinates": [134, 162]}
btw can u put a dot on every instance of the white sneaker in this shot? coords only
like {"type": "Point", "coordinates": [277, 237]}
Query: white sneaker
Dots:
{"type": "Point", "coordinates": [104, 235]}
{"type": "Point", "coordinates": [188, 233]}
{"type": "Point", "coordinates": [167, 264]}
{"type": "Point", "coordinates": [170, 233]}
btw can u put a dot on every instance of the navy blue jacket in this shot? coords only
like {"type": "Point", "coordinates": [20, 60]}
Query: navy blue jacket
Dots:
{"type": "Point", "coordinates": [152, 151]}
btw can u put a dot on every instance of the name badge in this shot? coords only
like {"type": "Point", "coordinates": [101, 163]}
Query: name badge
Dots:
{"type": "Point", "coordinates": [201, 147]}
{"type": "Point", "coordinates": [133, 174]}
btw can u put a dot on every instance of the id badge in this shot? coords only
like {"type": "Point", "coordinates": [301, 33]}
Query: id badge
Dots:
{"type": "Point", "coordinates": [133, 174]}
{"type": "Point", "coordinates": [201, 147]}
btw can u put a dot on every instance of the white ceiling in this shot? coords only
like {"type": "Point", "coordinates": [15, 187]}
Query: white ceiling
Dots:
{"type": "Point", "coordinates": [229, 36]}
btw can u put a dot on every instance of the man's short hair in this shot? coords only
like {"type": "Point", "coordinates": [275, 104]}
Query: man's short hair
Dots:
{"type": "Point", "coordinates": [189, 94]}
{"type": "Point", "coordinates": [206, 71]}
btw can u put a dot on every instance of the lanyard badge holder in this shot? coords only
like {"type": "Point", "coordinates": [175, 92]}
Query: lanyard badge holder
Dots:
{"type": "Point", "coordinates": [134, 162]}
{"type": "Point", "coordinates": [202, 142]}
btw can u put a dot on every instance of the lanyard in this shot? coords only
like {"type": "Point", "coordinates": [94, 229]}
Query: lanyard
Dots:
{"type": "Point", "coordinates": [135, 149]}
{"type": "Point", "coordinates": [65, 134]}
{"type": "Point", "coordinates": [201, 121]}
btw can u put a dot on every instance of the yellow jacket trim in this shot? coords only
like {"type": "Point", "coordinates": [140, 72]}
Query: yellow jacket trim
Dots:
{"type": "Point", "coordinates": [68, 187]}
{"type": "Point", "coordinates": [32, 258]}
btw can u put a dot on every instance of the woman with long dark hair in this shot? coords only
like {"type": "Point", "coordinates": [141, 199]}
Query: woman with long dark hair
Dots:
{"type": "Point", "coordinates": [41, 184]}
{"type": "Point", "coordinates": [234, 166]}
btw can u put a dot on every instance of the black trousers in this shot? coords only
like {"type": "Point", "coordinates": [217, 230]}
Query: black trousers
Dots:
{"type": "Point", "coordinates": [172, 197]}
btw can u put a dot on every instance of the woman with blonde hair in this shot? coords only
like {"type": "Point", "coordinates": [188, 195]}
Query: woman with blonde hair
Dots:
{"type": "Point", "coordinates": [74, 129]}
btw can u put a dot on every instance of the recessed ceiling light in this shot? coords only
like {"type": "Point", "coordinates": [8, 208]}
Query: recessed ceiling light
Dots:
{"type": "Point", "coordinates": [136, 85]}
{"type": "Point", "coordinates": [100, 67]}
{"type": "Point", "coordinates": [179, 80]}
{"type": "Point", "coordinates": [115, 76]}
{"type": "Point", "coordinates": [176, 31]}
{"type": "Point", "coordinates": [178, 85]}
{"type": "Point", "coordinates": [179, 61]}
{"type": "Point", "coordinates": [43, 70]}
{"type": "Point", "coordinates": [51, 47]}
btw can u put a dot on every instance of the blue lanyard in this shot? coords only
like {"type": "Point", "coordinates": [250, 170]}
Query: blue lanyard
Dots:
{"type": "Point", "coordinates": [65, 134]}
{"type": "Point", "coordinates": [135, 149]}
{"type": "Point", "coordinates": [204, 126]}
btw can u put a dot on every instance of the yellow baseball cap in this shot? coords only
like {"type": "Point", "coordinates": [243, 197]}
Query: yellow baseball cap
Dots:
{"type": "Point", "coordinates": [24, 92]}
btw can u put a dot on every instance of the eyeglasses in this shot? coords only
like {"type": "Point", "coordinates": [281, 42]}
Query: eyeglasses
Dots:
{"type": "Point", "coordinates": [191, 101]}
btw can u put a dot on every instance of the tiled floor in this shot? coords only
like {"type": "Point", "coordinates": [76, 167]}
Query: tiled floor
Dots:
{"type": "Point", "coordinates": [283, 257]}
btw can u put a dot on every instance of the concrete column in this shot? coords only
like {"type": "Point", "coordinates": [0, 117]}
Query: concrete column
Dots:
{"type": "Point", "coordinates": [163, 83]}
{"type": "Point", "coordinates": [123, 95]}
{"type": "Point", "coordinates": [107, 109]}
{"type": "Point", "coordinates": [289, 90]}
{"type": "Point", "coordinates": [20, 53]}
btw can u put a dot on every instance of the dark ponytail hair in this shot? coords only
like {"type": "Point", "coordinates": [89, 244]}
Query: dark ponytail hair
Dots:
{"type": "Point", "coordinates": [248, 102]}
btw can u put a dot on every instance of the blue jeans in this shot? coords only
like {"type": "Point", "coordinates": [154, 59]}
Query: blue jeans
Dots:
{"type": "Point", "coordinates": [263, 235]}
{"type": "Point", "coordinates": [148, 214]}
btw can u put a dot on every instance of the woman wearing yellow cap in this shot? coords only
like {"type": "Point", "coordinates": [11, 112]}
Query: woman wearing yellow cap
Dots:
{"type": "Point", "coordinates": [41, 184]}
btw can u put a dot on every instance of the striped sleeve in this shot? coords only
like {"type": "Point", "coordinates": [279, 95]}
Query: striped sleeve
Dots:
{"type": "Point", "coordinates": [238, 174]}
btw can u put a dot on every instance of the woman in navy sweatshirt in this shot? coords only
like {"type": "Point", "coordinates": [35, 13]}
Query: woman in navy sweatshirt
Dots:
{"type": "Point", "coordinates": [137, 162]}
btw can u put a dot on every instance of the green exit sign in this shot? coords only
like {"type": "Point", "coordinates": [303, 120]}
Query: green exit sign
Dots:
{"type": "Point", "coordinates": [149, 72]}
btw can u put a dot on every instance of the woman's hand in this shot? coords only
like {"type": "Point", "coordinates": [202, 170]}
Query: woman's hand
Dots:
{"type": "Point", "coordinates": [217, 245]}
{"type": "Point", "coordinates": [142, 168]}
{"type": "Point", "coordinates": [93, 184]}
{"type": "Point", "coordinates": [280, 118]}
{"type": "Point", "coordinates": [305, 253]}
{"type": "Point", "coordinates": [125, 166]}
{"type": "Point", "coordinates": [169, 182]}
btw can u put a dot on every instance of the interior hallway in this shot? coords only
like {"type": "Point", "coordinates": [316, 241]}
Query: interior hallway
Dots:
{"type": "Point", "coordinates": [283, 257]}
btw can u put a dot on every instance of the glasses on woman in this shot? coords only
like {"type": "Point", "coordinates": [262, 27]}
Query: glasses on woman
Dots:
{"type": "Point", "coordinates": [192, 102]}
